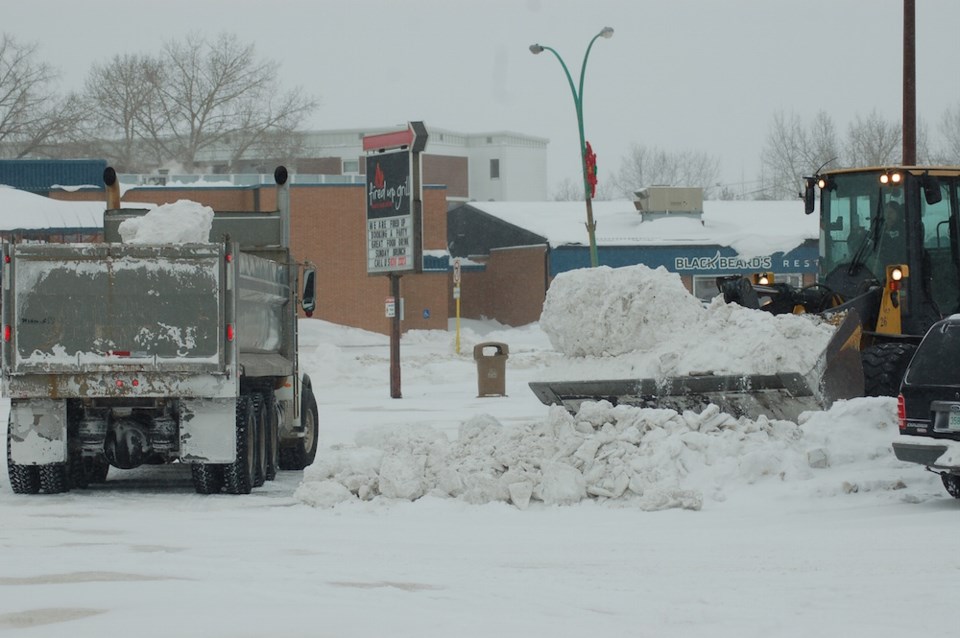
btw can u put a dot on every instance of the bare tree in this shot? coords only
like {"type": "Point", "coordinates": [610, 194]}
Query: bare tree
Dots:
{"type": "Point", "coordinates": [120, 93]}
{"type": "Point", "coordinates": [568, 190]}
{"type": "Point", "coordinates": [33, 117]}
{"type": "Point", "coordinates": [571, 190]}
{"type": "Point", "coordinates": [872, 141]}
{"type": "Point", "coordinates": [793, 151]}
{"type": "Point", "coordinates": [949, 151]}
{"type": "Point", "coordinates": [648, 166]}
{"type": "Point", "coordinates": [219, 95]}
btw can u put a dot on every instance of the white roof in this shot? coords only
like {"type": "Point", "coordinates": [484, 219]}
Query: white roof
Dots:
{"type": "Point", "coordinates": [20, 209]}
{"type": "Point", "coordinates": [751, 228]}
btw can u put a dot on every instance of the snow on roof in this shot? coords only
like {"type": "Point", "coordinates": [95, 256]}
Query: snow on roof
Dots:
{"type": "Point", "coordinates": [20, 209]}
{"type": "Point", "coordinates": [752, 228]}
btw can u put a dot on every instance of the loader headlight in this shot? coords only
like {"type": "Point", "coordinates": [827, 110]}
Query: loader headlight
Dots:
{"type": "Point", "coordinates": [763, 280]}
{"type": "Point", "coordinates": [896, 274]}
{"type": "Point", "coordinates": [893, 178]}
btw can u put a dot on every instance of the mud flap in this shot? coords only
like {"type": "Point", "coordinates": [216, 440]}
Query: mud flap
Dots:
{"type": "Point", "coordinates": [838, 374]}
{"type": "Point", "coordinates": [38, 432]}
{"type": "Point", "coordinates": [208, 430]}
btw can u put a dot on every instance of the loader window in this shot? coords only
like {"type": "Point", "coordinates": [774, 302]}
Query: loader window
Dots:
{"type": "Point", "coordinates": [855, 231]}
{"type": "Point", "coordinates": [941, 251]}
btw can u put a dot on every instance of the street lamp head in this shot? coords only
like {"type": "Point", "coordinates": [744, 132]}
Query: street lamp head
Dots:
{"type": "Point", "coordinates": [607, 32]}
{"type": "Point", "coordinates": [535, 49]}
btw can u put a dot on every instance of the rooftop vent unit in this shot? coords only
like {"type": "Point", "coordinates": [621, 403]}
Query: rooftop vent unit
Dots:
{"type": "Point", "coordinates": [658, 202]}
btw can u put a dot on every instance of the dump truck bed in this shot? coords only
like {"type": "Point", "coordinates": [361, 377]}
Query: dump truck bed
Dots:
{"type": "Point", "coordinates": [78, 315]}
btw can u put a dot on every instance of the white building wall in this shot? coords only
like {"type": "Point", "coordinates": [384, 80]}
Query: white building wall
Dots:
{"type": "Point", "coordinates": [522, 158]}
{"type": "Point", "coordinates": [522, 167]}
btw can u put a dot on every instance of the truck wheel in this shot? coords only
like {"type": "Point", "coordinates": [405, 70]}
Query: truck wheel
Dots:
{"type": "Point", "coordinates": [238, 476]}
{"type": "Point", "coordinates": [304, 450]}
{"type": "Point", "coordinates": [86, 470]}
{"type": "Point", "coordinates": [883, 367]}
{"type": "Point", "coordinates": [97, 470]}
{"type": "Point", "coordinates": [24, 479]}
{"type": "Point", "coordinates": [55, 478]}
{"type": "Point", "coordinates": [260, 458]}
{"type": "Point", "coordinates": [207, 477]}
{"type": "Point", "coordinates": [952, 483]}
{"type": "Point", "coordinates": [272, 426]}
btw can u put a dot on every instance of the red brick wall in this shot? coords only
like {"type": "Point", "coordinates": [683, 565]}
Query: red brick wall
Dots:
{"type": "Point", "coordinates": [511, 289]}
{"type": "Point", "coordinates": [328, 227]}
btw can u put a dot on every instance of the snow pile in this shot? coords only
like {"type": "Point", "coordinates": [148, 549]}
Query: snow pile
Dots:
{"type": "Point", "coordinates": [639, 457]}
{"type": "Point", "coordinates": [183, 222]}
{"type": "Point", "coordinates": [640, 322]}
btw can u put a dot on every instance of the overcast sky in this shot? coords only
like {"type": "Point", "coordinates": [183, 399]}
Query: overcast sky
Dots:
{"type": "Point", "coordinates": [680, 74]}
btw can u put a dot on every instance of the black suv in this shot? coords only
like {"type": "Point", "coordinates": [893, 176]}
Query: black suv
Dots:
{"type": "Point", "coordinates": [929, 405]}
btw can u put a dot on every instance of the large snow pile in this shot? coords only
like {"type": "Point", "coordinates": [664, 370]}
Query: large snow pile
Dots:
{"type": "Point", "coordinates": [640, 322]}
{"type": "Point", "coordinates": [182, 222]}
{"type": "Point", "coordinates": [614, 323]}
{"type": "Point", "coordinates": [638, 457]}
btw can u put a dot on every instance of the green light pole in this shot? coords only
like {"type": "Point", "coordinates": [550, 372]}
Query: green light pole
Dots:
{"type": "Point", "coordinates": [606, 32]}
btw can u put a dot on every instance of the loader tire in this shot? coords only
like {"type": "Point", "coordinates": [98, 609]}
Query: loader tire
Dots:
{"type": "Point", "coordinates": [883, 367]}
{"type": "Point", "coordinates": [24, 479]}
{"type": "Point", "coordinates": [304, 450]}
{"type": "Point", "coordinates": [207, 477]}
{"type": "Point", "coordinates": [238, 477]}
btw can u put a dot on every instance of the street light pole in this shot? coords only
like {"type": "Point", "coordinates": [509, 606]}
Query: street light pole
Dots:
{"type": "Point", "coordinates": [606, 32]}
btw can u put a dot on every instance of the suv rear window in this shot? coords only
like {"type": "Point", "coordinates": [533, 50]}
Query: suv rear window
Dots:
{"type": "Point", "coordinates": [937, 361]}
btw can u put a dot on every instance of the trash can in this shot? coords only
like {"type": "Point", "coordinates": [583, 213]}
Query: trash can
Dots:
{"type": "Point", "coordinates": [491, 360]}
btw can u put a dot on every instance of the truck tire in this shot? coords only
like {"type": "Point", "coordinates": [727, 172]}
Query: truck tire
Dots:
{"type": "Point", "coordinates": [207, 477]}
{"type": "Point", "coordinates": [260, 456]}
{"type": "Point", "coordinates": [238, 476]}
{"type": "Point", "coordinates": [272, 426]}
{"type": "Point", "coordinates": [85, 470]}
{"type": "Point", "coordinates": [304, 450]}
{"type": "Point", "coordinates": [24, 479]}
{"type": "Point", "coordinates": [883, 367]}
{"type": "Point", "coordinates": [55, 478]}
{"type": "Point", "coordinates": [952, 484]}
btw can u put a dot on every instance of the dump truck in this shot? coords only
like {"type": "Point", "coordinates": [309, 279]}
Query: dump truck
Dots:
{"type": "Point", "coordinates": [889, 268]}
{"type": "Point", "coordinates": [127, 354]}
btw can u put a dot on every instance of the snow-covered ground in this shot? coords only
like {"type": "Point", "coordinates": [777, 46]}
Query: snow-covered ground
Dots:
{"type": "Point", "coordinates": [501, 516]}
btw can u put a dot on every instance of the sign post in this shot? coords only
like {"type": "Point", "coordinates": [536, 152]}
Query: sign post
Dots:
{"type": "Point", "coordinates": [395, 218]}
{"type": "Point", "coordinates": [456, 296]}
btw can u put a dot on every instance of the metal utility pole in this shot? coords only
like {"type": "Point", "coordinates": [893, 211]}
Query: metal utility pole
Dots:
{"type": "Point", "coordinates": [909, 84]}
{"type": "Point", "coordinates": [536, 49]}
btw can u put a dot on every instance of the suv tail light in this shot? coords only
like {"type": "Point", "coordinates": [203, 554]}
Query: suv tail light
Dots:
{"type": "Point", "coordinates": [901, 413]}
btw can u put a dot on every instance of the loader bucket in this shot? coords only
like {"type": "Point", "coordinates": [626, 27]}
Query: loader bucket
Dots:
{"type": "Point", "coordinates": [837, 375]}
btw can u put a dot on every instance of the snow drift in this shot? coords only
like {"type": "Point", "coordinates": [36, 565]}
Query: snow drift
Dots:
{"type": "Point", "coordinates": [609, 323]}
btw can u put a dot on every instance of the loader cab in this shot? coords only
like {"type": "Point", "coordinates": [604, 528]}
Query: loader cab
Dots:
{"type": "Point", "coordinates": [874, 218]}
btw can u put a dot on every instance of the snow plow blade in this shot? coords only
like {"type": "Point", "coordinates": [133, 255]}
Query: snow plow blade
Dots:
{"type": "Point", "coordinates": [838, 374]}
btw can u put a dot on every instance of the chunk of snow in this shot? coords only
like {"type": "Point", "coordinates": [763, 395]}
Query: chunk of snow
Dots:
{"type": "Point", "coordinates": [183, 222]}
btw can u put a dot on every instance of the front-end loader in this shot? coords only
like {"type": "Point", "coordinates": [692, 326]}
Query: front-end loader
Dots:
{"type": "Point", "coordinates": [889, 249]}
{"type": "Point", "coordinates": [889, 268]}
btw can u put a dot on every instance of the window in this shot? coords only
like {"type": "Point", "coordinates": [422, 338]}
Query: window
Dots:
{"type": "Point", "coordinates": [351, 167]}
{"type": "Point", "coordinates": [494, 169]}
